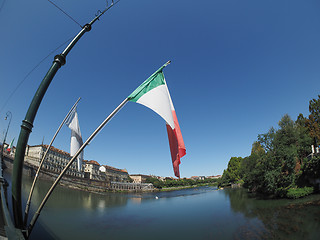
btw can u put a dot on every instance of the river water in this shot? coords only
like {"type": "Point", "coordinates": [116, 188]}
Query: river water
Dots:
{"type": "Point", "coordinates": [198, 213]}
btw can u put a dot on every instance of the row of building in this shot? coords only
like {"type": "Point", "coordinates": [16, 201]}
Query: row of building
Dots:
{"type": "Point", "coordinates": [56, 160]}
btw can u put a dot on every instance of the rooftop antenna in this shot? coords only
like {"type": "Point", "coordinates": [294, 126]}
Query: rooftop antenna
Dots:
{"type": "Point", "coordinates": [27, 123]}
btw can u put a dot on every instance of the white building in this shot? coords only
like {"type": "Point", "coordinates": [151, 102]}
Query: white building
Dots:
{"type": "Point", "coordinates": [55, 161]}
{"type": "Point", "coordinates": [93, 170]}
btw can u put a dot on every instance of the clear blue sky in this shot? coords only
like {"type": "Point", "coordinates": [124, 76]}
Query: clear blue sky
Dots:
{"type": "Point", "coordinates": [237, 68]}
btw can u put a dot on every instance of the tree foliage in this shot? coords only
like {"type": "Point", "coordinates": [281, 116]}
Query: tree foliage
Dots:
{"type": "Point", "coordinates": [169, 182]}
{"type": "Point", "coordinates": [274, 165]}
{"type": "Point", "coordinates": [313, 123]}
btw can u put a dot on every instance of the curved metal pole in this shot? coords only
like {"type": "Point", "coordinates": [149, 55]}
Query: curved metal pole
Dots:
{"type": "Point", "coordinates": [98, 129]}
{"type": "Point", "coordinates": [26, 213]}
{"type": "Point", "coordinates": [27, 123]}
{"type": "Point", "coordinates": [5, 136]}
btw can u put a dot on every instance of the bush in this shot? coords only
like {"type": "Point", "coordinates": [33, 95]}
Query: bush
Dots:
{"type": "Point", "coordinates": [281, 192]}
{"type": "Point", "coordinates": [299, 192]}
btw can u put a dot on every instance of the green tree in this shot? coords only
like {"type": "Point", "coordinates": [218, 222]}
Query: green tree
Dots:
{"type": "Point", "coordinates": [274, 170]}
{"type": "Point", "coordinates": [233, 173]}
{"type": "Point", "coordinates": [301, 120]}
{"type": "Point", "coordinates": [304, 141]}
{"type": "Point", "coordinates": [257, 148]}
{"type": "Point", "coordinates": [234, 169]}
{"type": "Point", "coordinates": [266, 140]}
{"type": "Point", "coordinates": [280, 172]}
{"type": "Point", "coordinates": [155, 181]}
{"type": "Point", "coordinates": [310, 172]}
{"type": "Point", "coordinates": [252, 168]}
{"type": "Point", "coordinates": [278, 161]}
{"type": "Point", "coordinates": [313, 123]}
{"type": "Point", "coordinates": [224, 180]}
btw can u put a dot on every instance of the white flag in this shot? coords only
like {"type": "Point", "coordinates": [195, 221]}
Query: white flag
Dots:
{"type": "Point", "coordinates": [76, 139]}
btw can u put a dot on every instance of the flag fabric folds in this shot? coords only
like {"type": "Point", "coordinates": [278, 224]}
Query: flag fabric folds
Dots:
{"type": "Point", "coordinates": [154, 94]}
{"type": "Point", "coordinates": [76, 139]}
{"type": "Point", "coordinates": [10, 146]}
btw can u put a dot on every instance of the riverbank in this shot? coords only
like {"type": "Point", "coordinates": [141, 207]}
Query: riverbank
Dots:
{"type": "Point", "coordinates": [82, 184]}
{"type": "Point", "coordinates": [224, 214]}
{"type": "Point", "coordinates": [185, 187]}
{"type": "Point", "coordinates": [284, 193]}
{"type": "Point", "coordinates": [96, 186]}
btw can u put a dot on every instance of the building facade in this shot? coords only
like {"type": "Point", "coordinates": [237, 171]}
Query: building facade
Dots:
{"type": "Point", "coordinates": [120, 186]}
{"type": "Point", "coordinates": [110, 177]}
{"type": "Point", "coordinates": [112, 174]}
{"type": "Point", "coordinates": [91, 170]}
{"type": "Point", "coordinates": [116, 175]}
{"type": "Point", "coordinates": [55, 161]}
{"type": "Point", "coordinates": [139, 178]}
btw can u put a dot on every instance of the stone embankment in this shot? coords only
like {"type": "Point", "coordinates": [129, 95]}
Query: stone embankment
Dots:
{"type": "Point", "coordinates": [81, 183]}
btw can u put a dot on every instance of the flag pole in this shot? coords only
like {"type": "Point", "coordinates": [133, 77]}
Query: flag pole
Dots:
{"type": "Point", "coordinates": [167, 63]}
{"type": "Point", "coordinates": [41, 163]}
{"type": "Point", "coordinates": [98, 129]}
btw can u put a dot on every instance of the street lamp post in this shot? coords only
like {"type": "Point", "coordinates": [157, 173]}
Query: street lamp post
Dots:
{"type": "Point", "coordinates": [8, 114]}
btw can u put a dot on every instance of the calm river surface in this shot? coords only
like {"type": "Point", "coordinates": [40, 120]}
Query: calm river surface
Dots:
{"type": "Point", "coordinates": [198, 213]}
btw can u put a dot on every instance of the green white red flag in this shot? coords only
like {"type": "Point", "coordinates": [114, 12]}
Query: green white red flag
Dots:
{"type": "Point", "coordinates": [154, 94]}
{"type": "Point", "coordinates": [10, 146]}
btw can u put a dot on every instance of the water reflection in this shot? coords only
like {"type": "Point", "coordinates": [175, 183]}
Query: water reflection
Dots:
{"type": "Point", "coordinates": [281, 218]}
{"type": "Point", "coordinates": [199, 213]}
{"type": "Point", "coordinates": [63, 197]}
{"type": "Point", "coordinates": [136, 200]}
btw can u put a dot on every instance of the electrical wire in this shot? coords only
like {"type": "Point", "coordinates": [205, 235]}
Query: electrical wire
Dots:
{"type": "Point", "coordinates": [13, 92]}
{"type": "Point", "coordinates": [65, 13]}
{"type": "Point", "coordinates": [29, 73]}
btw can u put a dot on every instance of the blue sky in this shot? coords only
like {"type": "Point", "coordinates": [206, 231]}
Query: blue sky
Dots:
{"type": "Point", "coordinates": [237, 68]}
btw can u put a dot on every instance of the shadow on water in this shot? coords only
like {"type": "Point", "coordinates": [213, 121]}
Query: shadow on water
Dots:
{"type": "Point", "coordinates": [281, 218]}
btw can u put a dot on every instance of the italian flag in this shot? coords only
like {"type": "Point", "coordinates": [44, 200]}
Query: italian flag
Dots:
{"type": "Point", "coordinates": [154, 94]}
{"type": "Point", "coordinates": [10, 146]}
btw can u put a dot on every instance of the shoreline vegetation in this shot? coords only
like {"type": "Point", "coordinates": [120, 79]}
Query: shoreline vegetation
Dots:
{"type": "Point", "coordinates": [169, 184]}
{"type": "Point", "coordinates": [187, 187]}
{"type": "Point", "coordinates": [284, 162]}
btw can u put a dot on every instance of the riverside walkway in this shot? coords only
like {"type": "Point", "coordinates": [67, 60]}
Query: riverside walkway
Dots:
{"type": "Point", "coordinates": [7, 228]}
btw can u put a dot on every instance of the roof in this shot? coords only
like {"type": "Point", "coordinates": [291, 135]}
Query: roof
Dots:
{"type": "Point", "coordinates": [115, 169]}
{"type": "Point", "coordinates": [84, 161]}
{"type": "Point", "coordinates": [140, 175]}
{"type": "Point", "coordinates": [52, 148]}
{"type": "Point", "coordinates": [93, 162]}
